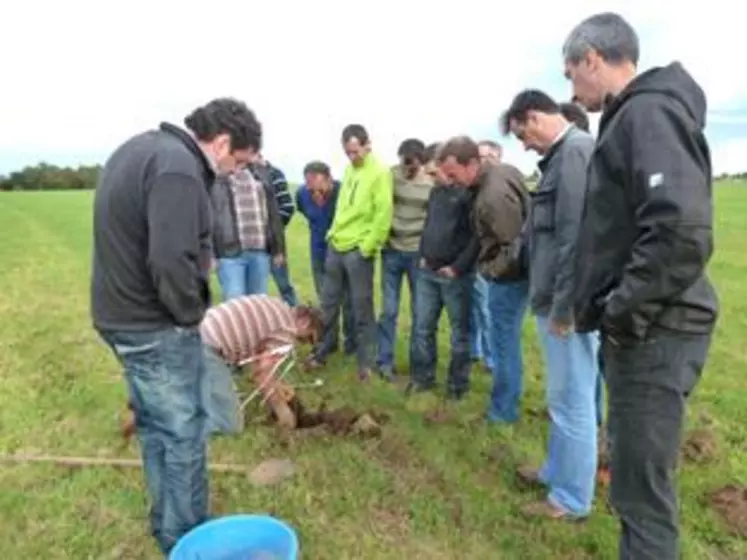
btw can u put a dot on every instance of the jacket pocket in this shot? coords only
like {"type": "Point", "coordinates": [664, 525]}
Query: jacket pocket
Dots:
{"type": "Point", "coordinates": [543, 210]}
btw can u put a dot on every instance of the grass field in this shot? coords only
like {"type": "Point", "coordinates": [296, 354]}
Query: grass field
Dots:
{"type": "Point", "coordinates": [422, 491]}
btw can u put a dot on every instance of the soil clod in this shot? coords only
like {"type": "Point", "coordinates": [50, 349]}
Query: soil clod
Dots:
{"type": "Point", "coordinates": [700, 446]}
{"type": "Point", "coordinates": [439, 415]}
{"type": "Point", "coordinates": [730, 502]}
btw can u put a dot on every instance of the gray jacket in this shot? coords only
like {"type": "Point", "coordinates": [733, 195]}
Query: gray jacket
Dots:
{"type": "Point", "coordinates": [555, 218]}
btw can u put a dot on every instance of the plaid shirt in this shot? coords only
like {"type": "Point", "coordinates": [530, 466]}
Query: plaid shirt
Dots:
{"type": "Point", "coordinates": [251, 210]}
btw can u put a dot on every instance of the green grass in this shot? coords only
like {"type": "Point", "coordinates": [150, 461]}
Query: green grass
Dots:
{"type": "Point", "coordinates": [434, 492]}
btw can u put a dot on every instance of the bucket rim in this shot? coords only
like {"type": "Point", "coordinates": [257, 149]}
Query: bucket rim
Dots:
{"type": "Point", "coordinates": [217, 521]}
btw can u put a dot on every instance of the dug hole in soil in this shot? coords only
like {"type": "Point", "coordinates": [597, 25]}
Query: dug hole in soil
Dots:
{"type": "Point", "coordinates": [341, 421]}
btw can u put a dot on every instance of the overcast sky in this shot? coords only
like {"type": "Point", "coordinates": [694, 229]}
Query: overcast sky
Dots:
{"type": "Point", "coordinates": [80, 77]}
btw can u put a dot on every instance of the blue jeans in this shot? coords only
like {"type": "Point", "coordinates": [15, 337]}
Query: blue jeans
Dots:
{"type": "Point", "coordinates": [247, 274]}
{"type": "Point", "coordinates": [507, 303]}
{"type": "Point", "coordinates": [479, 320]}
{"type": "Point", "coordinates": [599, 392]}
{"type": "Point", "coordinates": [434, 293]}
{"type": "Point", "coordinates": [394, 265]}
{"type": "Point", "coordinates": [281, 276]}
{"type": "Point", "coordinates": [348, 320]}
{"type": "Point", "coordinates": [572, 367]}
{"type": "Point", "coordinates": [165, 372]}
{"type": "Point", "coordinates": [222, 400]}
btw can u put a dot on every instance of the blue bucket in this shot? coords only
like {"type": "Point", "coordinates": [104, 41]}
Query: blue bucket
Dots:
{"type": "Point", "coordinates": [238, 537]}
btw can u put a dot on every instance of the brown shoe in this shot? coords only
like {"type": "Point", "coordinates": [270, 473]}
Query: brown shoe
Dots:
{"type": "Point", "coordinates": [544, 509]}
{"type": "Point", "coordinates": [529, 476]}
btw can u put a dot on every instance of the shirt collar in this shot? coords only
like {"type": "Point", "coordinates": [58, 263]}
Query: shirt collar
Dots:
{"type": "Point", "coordinates": [562, 134]}
{"type": "Point", "coordinates": [208, 157]}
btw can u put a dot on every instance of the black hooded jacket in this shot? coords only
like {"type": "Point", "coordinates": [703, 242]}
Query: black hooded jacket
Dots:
{"type": "Point", "coordinates": [646, 233]}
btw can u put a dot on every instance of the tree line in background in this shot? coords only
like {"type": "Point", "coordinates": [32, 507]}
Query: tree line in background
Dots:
{"type": "Point", "coordinates": [46, 177]}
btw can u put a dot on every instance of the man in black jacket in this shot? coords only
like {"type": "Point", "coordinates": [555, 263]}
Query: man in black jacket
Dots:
{"type": "Point", "coordinates": [448, 251]}
{"type": "Point", "coordinates": [645, 241]}
{"type": "Point", "coordinates": [149, 292]}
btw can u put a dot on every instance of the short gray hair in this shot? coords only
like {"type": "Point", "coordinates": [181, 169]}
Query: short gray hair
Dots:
{"type": "Point", "coordinates": [613, 38]}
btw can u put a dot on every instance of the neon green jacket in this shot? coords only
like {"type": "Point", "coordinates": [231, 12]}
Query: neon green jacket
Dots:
{"type": "Point", "coordinates": [363, 216]}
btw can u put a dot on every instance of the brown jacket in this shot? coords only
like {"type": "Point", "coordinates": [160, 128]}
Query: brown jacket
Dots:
{"type": "Point", "coordinates": [501, 207]}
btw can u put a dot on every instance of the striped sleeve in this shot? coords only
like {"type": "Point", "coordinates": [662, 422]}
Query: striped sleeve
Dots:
{"type": "Point", "coordinates": [282, 194]}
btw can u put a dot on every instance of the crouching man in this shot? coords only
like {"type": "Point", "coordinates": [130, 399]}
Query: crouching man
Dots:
{"type": "Point", "coordinates": [248, 330]}
{"type": "Point", "coordinates": [252, 330]}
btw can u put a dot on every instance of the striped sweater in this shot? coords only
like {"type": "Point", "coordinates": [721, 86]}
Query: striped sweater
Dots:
{"type": "Point", "coordinates": [236, 328]}
{"type": "Point", "coordinates": [410, 209]}
{"type": "Point", "coordinates": [282, 194]}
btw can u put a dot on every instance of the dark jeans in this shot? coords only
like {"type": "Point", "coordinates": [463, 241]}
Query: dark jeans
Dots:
{"type": "Point", "coordinates": [281, 276]}
{"type": "Point", "coordinates": [394, 265]}
{"type": "Point", "coordinates": [348, 321]}
{"type": "Point", "coordinates": [434, 293]}
{"type": "Point", "coordinates": [353, 271]}
{"type": "Point", "coordinates": [648, 384]}
{"type": "Point", "coordinates": [165, 380]}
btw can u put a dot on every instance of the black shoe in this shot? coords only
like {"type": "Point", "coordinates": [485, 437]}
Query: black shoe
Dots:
{"type": "Point", "coordinates": [386, 373]}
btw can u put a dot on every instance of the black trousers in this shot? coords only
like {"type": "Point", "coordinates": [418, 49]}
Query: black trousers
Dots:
{"type": "Point", "coordinates": [648, 385]}
{"type": "Point", "coordinates": [349, 271]}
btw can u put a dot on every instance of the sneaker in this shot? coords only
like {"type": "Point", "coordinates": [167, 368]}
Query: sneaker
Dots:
{"type": "Point", "coordinates": [364, 375]}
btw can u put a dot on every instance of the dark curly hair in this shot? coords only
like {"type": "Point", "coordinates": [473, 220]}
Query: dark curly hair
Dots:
{"type": "Point", "coordinates": [315, 317]}
{"type": "Point", "coordinates": [230, 116]}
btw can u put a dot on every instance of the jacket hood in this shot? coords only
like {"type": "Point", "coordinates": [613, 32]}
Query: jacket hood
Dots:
{"type": "Point", "coordinates": [671, 80]}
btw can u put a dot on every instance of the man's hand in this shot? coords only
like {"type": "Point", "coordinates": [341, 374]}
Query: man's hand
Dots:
{"type": "Point", "coordinates": [278, 260]}
{"type": "Point", "coordinates": [447, 271]}
{"type": "Point", "coordinates": [560, 329]}
{"type": "Point", "coordinates": [422, 263]}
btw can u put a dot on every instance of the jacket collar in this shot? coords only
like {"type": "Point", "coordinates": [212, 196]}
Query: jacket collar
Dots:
{"type": "Point", "coordinates": [208, 171]}
{"type": "Point", "coordinates": [567, 131]}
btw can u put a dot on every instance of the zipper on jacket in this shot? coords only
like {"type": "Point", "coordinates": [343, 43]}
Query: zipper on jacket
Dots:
{"type": "Point", "coordinates": [352, 192]}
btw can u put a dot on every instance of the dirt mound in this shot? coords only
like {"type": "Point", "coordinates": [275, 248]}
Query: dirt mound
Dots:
{"type": "Point", "coordinates": [700, 446]}
{"type": "Point", "coordinates": [341, 421]}
{"type": "Point", "coordinates": [441, 415]}
{"type": "Point", "coordinates": [730, 502]}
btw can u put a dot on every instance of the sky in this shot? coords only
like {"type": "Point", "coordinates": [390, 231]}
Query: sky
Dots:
{"type": "Point", "coordinates": [80, 77]}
